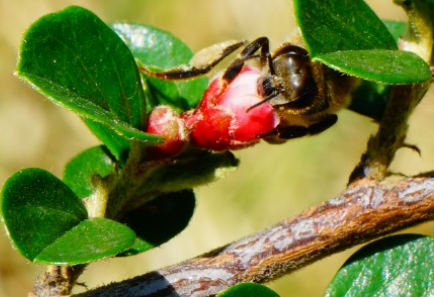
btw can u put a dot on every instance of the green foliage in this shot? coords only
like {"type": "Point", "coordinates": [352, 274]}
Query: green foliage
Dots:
{"type": "Point", "coordinates": [77, 61]}
{"type": "Point", "coordinates": [118, 146]}
{"type": "Point", "coordinates": [48, 223]}
{"type": "Point", "coordinates": [379, 65]}
{"type": "Point", "coordinates": [37, 208]}
{"type": "Point", "coordinates": [157, 48]}
{"type": "Point", "coordinates": [80, 63]}
{"type": "Point", "coordinates": [93, 239]}
{"type": "Point", "coordinates": [401, 265]}
{"type": "Point", "coordinates": [346, 35]}
{"type": "Point", "coordinates": [248, 290]}
{"type": "Point", "coordinates": [79, 171]}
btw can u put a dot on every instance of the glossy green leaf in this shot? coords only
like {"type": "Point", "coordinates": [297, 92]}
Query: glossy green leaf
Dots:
{"type": "Point", "coordinates": [77, 61]}
{"type": "Point", "coordinates": [340, 25]}
{"type": "Point", "coordinates": [159, 220]}
{"type": "Point", "coordinates": [91, 240]}
{"type": "Point", "coordinates": [116, 144]}
{"type": "Point", "coordinates": [401, 265]}
{"type": "Point", "coordinates": [80, 170]}
{"type": "Point", "coordinates": [158, 48]}
{"type": "Point", "coordinates": [37, 208]}
{"type": "Point", "coordinates": [384, 66]}
{"type": "Point", "coordinates": [248, 290]}
{"type": "Point", "coordinates": [348, 36]}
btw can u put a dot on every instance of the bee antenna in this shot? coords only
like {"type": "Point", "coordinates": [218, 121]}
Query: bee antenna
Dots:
{"type": "Point", "coordinates": [275, 93]}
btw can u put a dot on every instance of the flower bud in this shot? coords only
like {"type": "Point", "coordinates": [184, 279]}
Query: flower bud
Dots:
{"type": "Point", "coordinates": [223, 121]}
{"type": "Point", "coordinates": [164, 121]}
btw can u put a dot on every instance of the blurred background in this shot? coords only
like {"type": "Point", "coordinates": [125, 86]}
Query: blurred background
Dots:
{"type": "Point", "coordinates": [272, 183]}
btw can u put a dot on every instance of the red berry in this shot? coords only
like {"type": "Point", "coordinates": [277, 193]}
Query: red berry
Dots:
{"type": "Point", "coordinates": [221, 120]}
{"type": "Point", "coordinates": [164, 121]}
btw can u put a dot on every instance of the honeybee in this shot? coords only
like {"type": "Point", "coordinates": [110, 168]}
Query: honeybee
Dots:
{"type": "Point", "coordinates": [304, 93]}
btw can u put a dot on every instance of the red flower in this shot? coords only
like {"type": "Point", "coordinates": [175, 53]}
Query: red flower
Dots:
{"type": "Point", "coordinates": [222, 120]}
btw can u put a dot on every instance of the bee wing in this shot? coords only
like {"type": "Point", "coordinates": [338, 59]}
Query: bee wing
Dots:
{"type": "Point", "coordinates": [201, 63]}
{"type": "Point", "coordinates": [213, 54]}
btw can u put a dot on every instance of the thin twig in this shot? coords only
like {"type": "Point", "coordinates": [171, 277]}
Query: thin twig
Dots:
{"type": "Point", "coordinates": [368, 209]}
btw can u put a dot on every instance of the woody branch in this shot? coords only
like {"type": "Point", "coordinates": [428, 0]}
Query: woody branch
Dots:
{"type": "Point", "coordinates": [367, 209]}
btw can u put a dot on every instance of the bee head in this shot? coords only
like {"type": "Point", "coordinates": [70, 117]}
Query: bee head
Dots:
{"type": "Point", "coordinates": [289, 80]}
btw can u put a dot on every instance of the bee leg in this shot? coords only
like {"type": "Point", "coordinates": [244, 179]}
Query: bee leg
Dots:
{"type": "Point", "coordinates": [292, 132]}
{"type": "Point", "coordinates": [197, 67]}
{"type": "Point", "coordinates": [326, 123]}
{"type": "Point", "coordinates": [249, 52]}
{"type": "Point", "coordinates": [281, 134]}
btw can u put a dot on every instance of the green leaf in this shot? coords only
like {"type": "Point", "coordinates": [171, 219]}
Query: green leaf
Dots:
{"type": "Point", "coordinates": [347, 35]}
{"type": "Point", "coordinates": [401, 265]}
{"type": "Point", "coordinates": [248, 290]}
{"type": "Point", "coordinates": [159, 220]}
{"type": "Point", "coordinates": [78, 62]}
{"type": "Point", "coordinates": [38, 208]}
{"type": "Point", "coordinates": [158, 48]}
{"type": "Point", "coordinates": [116, 144]}
{"type": "Point", "coordinates": [79, 171]}
{"type": "Point", "coordinates": [340, 25]}
{"type": "Point", "coordinates": [91, 240]}
{"type": "Point", "coordinates": [384, 66]}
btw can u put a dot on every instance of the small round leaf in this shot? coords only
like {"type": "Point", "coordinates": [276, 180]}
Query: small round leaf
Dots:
{"type": "Point", "coordinates": [91, 240]}
{"type": "Point", "coordinates": [37, 208]}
